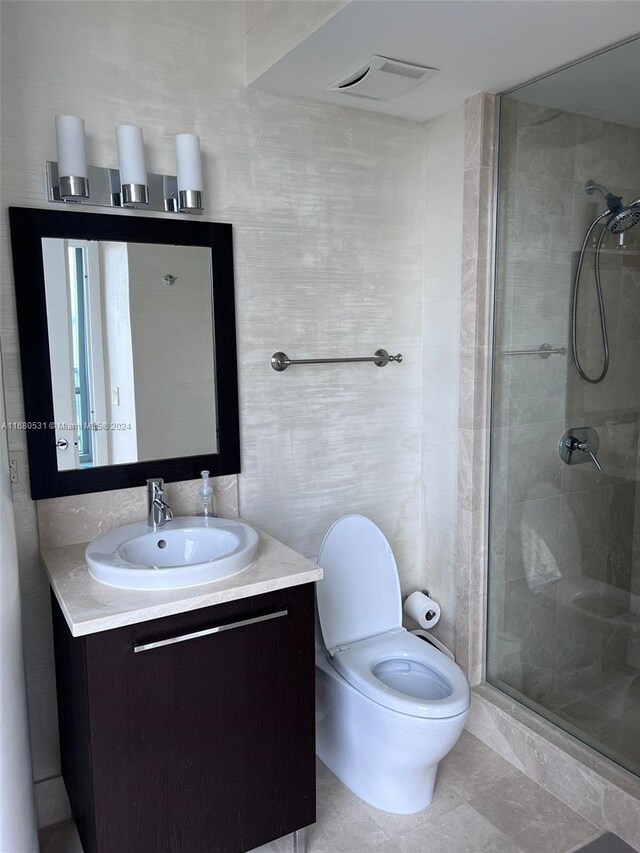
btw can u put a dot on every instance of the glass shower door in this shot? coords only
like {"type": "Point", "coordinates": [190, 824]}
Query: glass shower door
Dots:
{"type": "Point", "coordinates": [564, 565]}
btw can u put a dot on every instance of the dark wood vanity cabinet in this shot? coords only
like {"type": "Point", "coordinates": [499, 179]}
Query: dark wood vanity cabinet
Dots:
{"type": "Point", "coordinates": [202, 744]}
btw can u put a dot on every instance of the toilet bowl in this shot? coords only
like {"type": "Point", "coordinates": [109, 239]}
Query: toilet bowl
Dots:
{"type": "Point", "coordinates": [389, 706]}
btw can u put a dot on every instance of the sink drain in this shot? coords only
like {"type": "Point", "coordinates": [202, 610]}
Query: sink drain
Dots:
{"type": "Point", "coordinates": [162, 543]}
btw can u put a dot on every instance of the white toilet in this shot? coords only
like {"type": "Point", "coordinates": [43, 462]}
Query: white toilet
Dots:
{"type": "Point", "coordinates": [389, 706]}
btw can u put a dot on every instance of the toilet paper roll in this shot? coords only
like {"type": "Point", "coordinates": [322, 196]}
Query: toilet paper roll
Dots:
{"type": "Point", "coordinates": [422, 609]}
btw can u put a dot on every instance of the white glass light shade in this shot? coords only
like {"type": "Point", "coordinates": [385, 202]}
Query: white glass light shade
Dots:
{"type": "Point", "coordinates": [131, 154]}
{"type": "Point", "coordinates": [72, 158]}
{"type": "Point", "coordinates": [188, 162]}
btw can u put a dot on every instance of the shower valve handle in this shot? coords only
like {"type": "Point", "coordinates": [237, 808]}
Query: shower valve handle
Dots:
{"type": "Point", "coordinates": [574, 444]}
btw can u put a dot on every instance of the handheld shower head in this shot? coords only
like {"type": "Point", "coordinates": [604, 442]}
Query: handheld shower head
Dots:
{"type": "Point", "coordinates": [625, 218]}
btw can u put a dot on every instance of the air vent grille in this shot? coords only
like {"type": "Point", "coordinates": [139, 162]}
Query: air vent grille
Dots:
{"type": "Point", "coordinates": [404, 70]}
{"type": "Point", "coordinates": [381, 79]}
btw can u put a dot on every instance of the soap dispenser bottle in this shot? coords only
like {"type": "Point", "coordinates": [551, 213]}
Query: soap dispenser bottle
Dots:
{"type": "Point", "coordinates": [205, 497]}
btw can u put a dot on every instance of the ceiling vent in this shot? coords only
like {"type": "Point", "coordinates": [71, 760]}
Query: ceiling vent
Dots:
{"type": "Point", "coordinates": [381, 79]}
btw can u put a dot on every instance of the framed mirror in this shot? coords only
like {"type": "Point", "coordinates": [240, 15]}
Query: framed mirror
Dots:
{"type": "Point", "coordinates": [128, 349]}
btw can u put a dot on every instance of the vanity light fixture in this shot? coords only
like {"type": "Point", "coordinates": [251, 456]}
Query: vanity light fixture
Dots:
{"type": "Point", "coordinates": [130, 186]}
{"type": "Point", "coordinates": [189, 170]}
{"type": "Point", "coordinates": [133, 172]}
{"type": "Point", "coordinates": [72, 159]}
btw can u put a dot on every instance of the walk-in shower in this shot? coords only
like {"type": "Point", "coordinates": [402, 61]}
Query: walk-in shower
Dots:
{"type": "Point", "coordinates": [563, 633]}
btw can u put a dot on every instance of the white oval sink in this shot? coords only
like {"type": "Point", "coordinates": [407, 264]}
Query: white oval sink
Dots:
{"type": "Point", "coordinates": [185, 552]}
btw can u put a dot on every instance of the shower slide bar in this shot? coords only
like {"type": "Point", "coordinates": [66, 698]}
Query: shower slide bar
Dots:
{"type": "Point", "coordinates": [280, 360]}
{"type": "Point", "coordinates": [544, 351]}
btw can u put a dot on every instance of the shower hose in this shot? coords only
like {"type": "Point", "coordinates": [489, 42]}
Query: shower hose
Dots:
{"type": "Point", "coordinates": [574, 306]}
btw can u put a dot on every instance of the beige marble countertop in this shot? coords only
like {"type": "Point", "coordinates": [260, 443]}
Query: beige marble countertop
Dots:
{"type": "Point", "coordinates": [90, 606]}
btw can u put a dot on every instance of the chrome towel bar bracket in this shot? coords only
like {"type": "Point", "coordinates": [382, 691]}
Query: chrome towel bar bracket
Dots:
{"type": "Point", "coordinates": [280, 360]}
{"type": "Point", "coordinates": [544, 351]}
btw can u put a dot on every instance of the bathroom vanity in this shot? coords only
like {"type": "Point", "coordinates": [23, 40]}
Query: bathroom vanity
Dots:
{"type": "Point", "coordinates": [187, 716]}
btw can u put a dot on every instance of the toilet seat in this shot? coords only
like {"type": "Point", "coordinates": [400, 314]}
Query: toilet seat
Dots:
{"type": "Point", "coordinates": [360, 614]}
{"type": "Point", "coordinates": [360, 592]}
{"type": "Point", "coordinates": [401, 672]}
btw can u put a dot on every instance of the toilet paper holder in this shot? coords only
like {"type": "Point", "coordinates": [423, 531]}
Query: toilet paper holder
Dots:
{"type": "Point", "coordinates": [430, 613]}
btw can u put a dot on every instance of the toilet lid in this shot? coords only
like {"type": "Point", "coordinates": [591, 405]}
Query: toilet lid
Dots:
{"type": "Point", "coordinates": [359, 595]}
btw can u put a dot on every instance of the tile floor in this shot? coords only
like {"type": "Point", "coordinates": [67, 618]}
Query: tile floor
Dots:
{"type": "Point", "coordinates": [482, 804]}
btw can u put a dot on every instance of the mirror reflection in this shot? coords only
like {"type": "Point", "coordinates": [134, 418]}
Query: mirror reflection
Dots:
{"type": "Point", "coordinates": [131, 347]}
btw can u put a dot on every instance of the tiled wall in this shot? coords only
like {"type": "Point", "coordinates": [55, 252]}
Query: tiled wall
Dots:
{"type": "Point", "coordinates": [474, 388]}
{"type": "Point", "coordinates": [558, 531]}
{"type": "Point", "coordinates": [327, 206]}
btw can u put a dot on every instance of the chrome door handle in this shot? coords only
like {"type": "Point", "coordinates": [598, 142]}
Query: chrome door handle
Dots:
{"type": "Point", "coordinates": [217, 629]}
{"type": "Point", "coordinates": [62, 444]}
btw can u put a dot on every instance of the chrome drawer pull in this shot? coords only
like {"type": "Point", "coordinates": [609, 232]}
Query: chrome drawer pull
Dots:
{"type": "Point", "coordinates": [218, 628]}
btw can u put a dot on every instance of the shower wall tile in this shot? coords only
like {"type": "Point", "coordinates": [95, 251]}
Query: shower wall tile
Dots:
{"type": "Point", "coordinates": [546, 141]}
{"type": "Point", "coordinates": [530, 616]}
{"type": "Point", "coordinates": [533, 540]}
{"type": "Point", "coordinates": [588, 316]}
{"type": "Point", "coordinates": [540, 314]}
{"type": "Point", "coordinates": [471, 482]}
{"type": "Point", "coordinates": [629, 304]}
{"type": "Point", "coordinates": [585, 533]}
{"type": "Point", "coordinates": [469, 296]}
{"type": "Point", "coordinates": [526, 482]}
{"type": "Point", "coordinates": [509, 108]}
{"type": "Point", "coordinates": [473, 133]}
{"type": "Point", "coordinates": [474, 381]}
{"type": "Point", "coordinates": [541, 218]}
{"type": "Point", "coordinates": [537, 389]}
{"type": "Point", "coordinates": [628, 374]}
{"type": "Point", "coordinates": [602, 145]}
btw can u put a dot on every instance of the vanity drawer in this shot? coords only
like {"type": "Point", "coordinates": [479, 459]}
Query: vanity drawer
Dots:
{"type": "Point", "coordinates": [192, 733]}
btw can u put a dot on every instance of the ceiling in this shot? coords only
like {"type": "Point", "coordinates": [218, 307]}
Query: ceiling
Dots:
{"type": "Point", "coordinates": [478, 45]}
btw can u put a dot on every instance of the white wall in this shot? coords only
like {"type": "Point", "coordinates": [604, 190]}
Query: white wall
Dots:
{"type": "Point", "coordinates": [327, 208]}
{"type": "Point", "coordinates": [444, 173]}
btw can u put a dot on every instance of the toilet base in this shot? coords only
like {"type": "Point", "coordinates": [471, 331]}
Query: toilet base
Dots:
{"type": "Point", "coordinates": [413, 795]}
{"type": "Point", "coordinates": [386, 758]}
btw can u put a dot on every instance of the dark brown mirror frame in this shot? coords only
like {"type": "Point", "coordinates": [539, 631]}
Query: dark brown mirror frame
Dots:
{"type": "Point", "coordinates": [28, 227]}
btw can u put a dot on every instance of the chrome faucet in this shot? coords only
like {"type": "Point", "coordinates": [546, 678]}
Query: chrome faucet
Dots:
{"type": "Point", "coordinates": [158, 510]}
